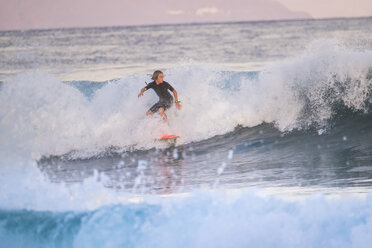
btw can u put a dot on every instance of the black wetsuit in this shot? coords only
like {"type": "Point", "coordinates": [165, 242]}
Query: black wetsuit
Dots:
{"type": "Point", "coordinates": [165, 98]}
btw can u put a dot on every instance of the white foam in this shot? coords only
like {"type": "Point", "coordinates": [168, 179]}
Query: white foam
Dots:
{"type": "Point", "coordinates": [201, 219]}
{"type": "Point", "coordinates": [43, 116]}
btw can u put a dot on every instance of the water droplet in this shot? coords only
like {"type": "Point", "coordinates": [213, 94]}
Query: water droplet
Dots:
{"type": "Point", "coordinates": [221, 168]}
{"type": "Point", "coordinates": [231, 154]}
{"type": "Point", "coordinates": [120, 165]}
{"type": "Point", "coordinates": [142, 164]}
{"type": "Point", "coordinates": [175, 154]}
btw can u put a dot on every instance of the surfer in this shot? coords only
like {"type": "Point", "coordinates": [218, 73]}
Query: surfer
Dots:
{"type": "Point", "coordinates": [161, 88]}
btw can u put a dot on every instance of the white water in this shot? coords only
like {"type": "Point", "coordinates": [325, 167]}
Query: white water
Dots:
{"type": "Point", "coordinates": [198, 220]}
{"type": "Point", "coordinates": [42, 116]}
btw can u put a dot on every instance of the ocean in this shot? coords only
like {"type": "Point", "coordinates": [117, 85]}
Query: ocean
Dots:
{"type": "Point", "coordinates": [275, 127]}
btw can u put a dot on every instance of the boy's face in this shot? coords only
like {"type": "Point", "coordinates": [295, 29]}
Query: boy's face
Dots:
{"type": "Point", "coordinates": [160, 78]}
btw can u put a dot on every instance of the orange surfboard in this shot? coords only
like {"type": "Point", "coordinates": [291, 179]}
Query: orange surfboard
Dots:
{"type": "Point", "coordinates": [169, 136]}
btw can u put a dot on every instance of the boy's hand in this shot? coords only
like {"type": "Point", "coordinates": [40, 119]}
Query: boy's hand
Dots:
{"type": "Point", "coordinates": [178, 105]}
{"type": "Point", "coordinates": [141, 92]}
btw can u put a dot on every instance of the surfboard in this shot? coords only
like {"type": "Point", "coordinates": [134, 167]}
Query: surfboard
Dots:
{"type": "Point", "coordinates": [171, 138]}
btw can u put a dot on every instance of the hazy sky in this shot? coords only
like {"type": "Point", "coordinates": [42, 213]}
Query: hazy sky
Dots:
{"type": "Point", "coordinates": [331, 8]}
{"type": "Point", "coordinates": [33, 14]}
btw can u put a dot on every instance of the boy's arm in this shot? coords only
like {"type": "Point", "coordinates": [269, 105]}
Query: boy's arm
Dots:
{"type": "Point", "coordinates": [142, 91]}
{"type": "Point", "coordinates": [178, 104]}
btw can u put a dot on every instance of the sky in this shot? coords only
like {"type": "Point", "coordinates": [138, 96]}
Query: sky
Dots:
{"type": "Point", "coordinates": [331, 8]}
{"type": "Point", "coordinates": [39, 14]}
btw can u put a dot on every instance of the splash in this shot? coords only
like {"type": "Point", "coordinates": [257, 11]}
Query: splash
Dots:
{"type": "Point", "coordinates": [44, 116]}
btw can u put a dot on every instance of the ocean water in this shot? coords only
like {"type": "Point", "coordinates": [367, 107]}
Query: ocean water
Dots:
{"type": "Point", "coordinates": [275, 126]}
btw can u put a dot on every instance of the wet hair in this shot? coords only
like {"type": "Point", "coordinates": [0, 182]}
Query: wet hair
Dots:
{"type": "Point", "coordinates": [156, 74]}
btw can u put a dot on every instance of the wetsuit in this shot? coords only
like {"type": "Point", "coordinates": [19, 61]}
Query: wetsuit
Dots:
{"type": "Point", "coordinates": [165, 98]}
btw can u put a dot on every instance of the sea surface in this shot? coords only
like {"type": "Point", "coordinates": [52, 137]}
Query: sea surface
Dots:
{"type": "Point", "coordinates": [275, 146]}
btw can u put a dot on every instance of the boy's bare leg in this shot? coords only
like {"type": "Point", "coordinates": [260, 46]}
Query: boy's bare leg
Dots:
{"type": "Point", "coordinates": [163, 115]}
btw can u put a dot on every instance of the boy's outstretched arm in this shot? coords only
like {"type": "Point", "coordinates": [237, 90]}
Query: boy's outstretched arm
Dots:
{"type": "Point", "coordinates": [141, 93]}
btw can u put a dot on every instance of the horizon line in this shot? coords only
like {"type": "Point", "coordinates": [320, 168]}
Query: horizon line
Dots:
{"type": "Point", "coordinates": [187, 23]}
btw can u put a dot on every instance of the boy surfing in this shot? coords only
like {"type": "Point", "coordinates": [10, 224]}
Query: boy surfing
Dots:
{"type": "Point", "coordinates": [161, 88]}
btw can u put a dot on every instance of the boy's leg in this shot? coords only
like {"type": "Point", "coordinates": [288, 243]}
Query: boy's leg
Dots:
{"type": "Point", "coordinates": [162, 114]}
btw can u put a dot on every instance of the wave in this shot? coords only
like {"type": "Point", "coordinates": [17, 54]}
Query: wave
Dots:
{"type": "Point", "coordinates": [43, 116]}
{"type": "Point", "coordinates": [199, 220]}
